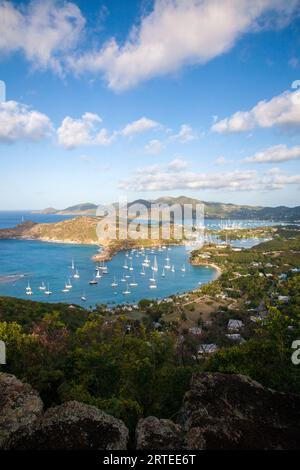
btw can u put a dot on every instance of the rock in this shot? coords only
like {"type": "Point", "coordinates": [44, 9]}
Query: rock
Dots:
{"type": "Point", "coordinates": [154, 433]}
{"type": "Point", "coordinates": [223, 411]}
{"type": "Point", "coordinates": [72, 425]}
{"type": "Point", "coordinates": [20, 406]}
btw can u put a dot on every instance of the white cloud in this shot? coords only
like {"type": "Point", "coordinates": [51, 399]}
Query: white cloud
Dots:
{"type": "Point", "coordinates": [223, 161]}
{"type": "Point", "coordinates": [178, 33]}
{"type": "Point", "coordinates": [185, 134]}
{"type": "Point", "coordinates": [154, 147]}
{"type": "Point", "coordinates": [137, 127]}
{"type": "Point", "coordinates": [275, 154]}
{"type": "Point", "coordinates": [282, 110]}
{"type": "Point", "coordinates": [166, 178]}
{"type": "Point", "coordinates": [19, 122]}
{"type": "Point", "coordinates": [44, 30]}
{"type": "Point", "coordinates": [177, 164]}
{"type": "Point", "coordinates": [76, 132]}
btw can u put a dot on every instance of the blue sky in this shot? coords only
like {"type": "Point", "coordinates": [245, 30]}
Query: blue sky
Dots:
{"type": "Point", "coordinates": [149, 98]}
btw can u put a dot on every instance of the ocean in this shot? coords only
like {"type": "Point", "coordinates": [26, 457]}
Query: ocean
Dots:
{"type": "Point", "coordinates": [35, 262]}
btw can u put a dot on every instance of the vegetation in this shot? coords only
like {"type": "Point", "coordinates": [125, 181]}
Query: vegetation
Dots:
{"type": "Point", "coordinates": [134, 362]}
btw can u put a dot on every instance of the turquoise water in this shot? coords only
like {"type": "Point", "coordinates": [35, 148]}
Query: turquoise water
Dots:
{"type": "Point", "coordinates": [22, 261]}
{"type": "Point", "coordinates": [36, 262]}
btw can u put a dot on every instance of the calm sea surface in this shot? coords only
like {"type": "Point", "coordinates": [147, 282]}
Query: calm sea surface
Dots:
{"type": "Point", "coordinates": [50, 263]}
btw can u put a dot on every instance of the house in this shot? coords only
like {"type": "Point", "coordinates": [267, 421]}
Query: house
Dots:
{"type": "Point", "coordinates": [195, 330]}
{"type": "Point", "coordinates": [284, 299]}
{"type": "Point", "coordinates": [207, 348]}
{"type": "Point", "coordinates": [236, 337]}
{"type": "Point", "coordinates": [234, 325]}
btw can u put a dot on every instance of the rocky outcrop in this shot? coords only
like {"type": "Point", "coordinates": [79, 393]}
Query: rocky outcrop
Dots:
{"type": "Point", "coordinates": [220, 411]}
{"type": "Point", "coordinates": [154, 433]}
{"type": "Point", "coordinates": [223, 411]}
{"type": "Point", "coordinates": [20, 406]}
{"type": "Point", "coordinates": [72, 426]}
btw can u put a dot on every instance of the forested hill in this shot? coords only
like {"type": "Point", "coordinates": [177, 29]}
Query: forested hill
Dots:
{"type": "Point", "coordinates": [216, 210]}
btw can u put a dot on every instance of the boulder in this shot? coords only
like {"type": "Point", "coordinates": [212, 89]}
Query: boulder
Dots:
{"type": "Point", "coordinates": [154, 433]}
{"type": "Point", "coordinates": [223, 411]}
{"type": "Point", "coordinates": [72, 426]}
{"type": "Point", "coordinates": [20, 406]}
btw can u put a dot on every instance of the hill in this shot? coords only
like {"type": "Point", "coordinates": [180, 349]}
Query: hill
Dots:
{"type": "Point", "coordinates": [215, 210]}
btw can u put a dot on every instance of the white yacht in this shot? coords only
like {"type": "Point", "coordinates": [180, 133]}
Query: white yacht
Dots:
{"type": "Point", "coordinates": [76, 274]}
{"type": "Point", "coordinates": [133, 283]}
{"type": "Point", "coordinates": [127, 291]}
{"type": "Point", "coordinates": [48, 291]}
{"type": "Point", "coordinates": [98, 275]}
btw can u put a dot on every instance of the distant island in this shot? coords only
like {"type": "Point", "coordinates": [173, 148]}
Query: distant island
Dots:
{"type": "Point", "coordinates": [214, 210]}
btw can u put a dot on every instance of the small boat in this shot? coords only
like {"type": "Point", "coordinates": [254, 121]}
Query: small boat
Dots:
{"type": "Point", "coordinates": [114, 284]}
{"type": "Point", "coordinates": [153, 286]}
{"type": "Point", "coordinates": [76, 274]}
{"type": "Point", "coordinates": [83, 297]}
{"type": "Point", "coordinates": [173, 268]}
{"type": "Point", "coordinates": [29, 291]}
{"type": "Point", "coordinates": [133, 283]}
{"type": "Point", "coordinates": [127, 291]}
{"type": "Point", "coordinates": [98, 275]}
{"type": "Point", "coordinates": [125, 266]}
{"type": "Point", "coordinates": [65, 290]}
{"type": "Point", "coordinates": [68, 285]}
{"type": "Point", "coordinates": [28, 288]}
{"type": "Point", "coordinates": [72, 265]}
{"type": "Point", "coordinates": [93, 281]}
{"type": "Point", "coordinates": [142, 273]}
{"type": "Point", "coordinates": [42, 286]}
{"type": "Point", "coordinates": [48, 291]}
{"type": "Point", "coordinates": [123, 279]}
{"type": "Point", "coordinates": [183, 268]}
{"type": "Point", "coordinates": [155, 267]}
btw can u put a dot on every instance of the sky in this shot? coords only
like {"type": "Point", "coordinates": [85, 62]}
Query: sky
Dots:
{"type": "Point", "coordinates": [141, 99]}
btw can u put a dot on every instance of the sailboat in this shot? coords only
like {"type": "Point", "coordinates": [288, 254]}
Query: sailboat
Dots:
{"type": "Point", "coordinates": [125, 266]}
{"type": "Point", "coordinates": [114, 284]}
{"type": "Point", "coordinates": [142, 273]}
{"type": "Point", "coordinates": [98, 275]}
{"type": "Point", "coordinates": [133, 283]}
{"type": "Point", "coordinates": [183, 268]}
{"type": "Point", "coordinates": [76, 274]}
{"type": "Point", "coordinates": [28, 290]}
{"type": "Point", "coordinates": [146, 261]}
{"type": "Point", "coordinates": [153, 284]}
{"type": "Point", "coordinates": [127, 291]}
{"type": "Point", "coordinates": [173, 268]}
{"type": "Point", "coordinates": [65, 290]}
{"type": "Point", "coordinates": [155, 267]}
{"type": "Point", "coordinates": [93, 281]}
{"type": "Point", "coordinates": [68, 285]}
{"type": "Point", "coordinates": [48, 291]}
{"type": "Point", "coordinates": [163, 273]}
{"type": "Point", "coordinates": [167, 265]}
{"type": "Point", "coordinates": [123, 278]}
{"type": "Point", "coordinates": [72, 265]}
{"type": "Point", "coordinates": [131, 267]}
{"type": "Point", "coordinates": [42, 286]}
